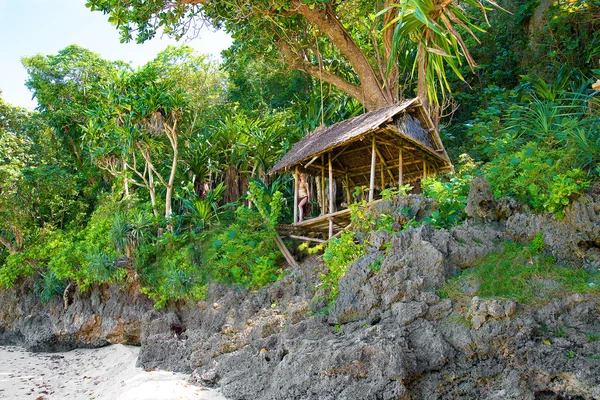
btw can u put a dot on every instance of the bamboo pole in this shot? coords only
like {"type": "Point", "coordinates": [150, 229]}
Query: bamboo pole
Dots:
{"type": "Point", "coordinates": [310, 162]}
{"type": "Point", "coordinates": [331, 199]}
{"type": "Point", "coordinates": [323, 185]}
{"type": "Point", "coordinates": [424, 169]}
{"type": "Point", "coordinates": [284, 250]}
{"type": "Point", "coordinates": [372, 181]}
{"type": "Point", "coordinates": [384, 166]}
{"type": "Point", "coordinates": [307, 239]}
{"type": "Point", "coordinates": [382, 176]}
{"type": "Point", "coordinates": [348, 195]}
{"type": "Point", "coordinates": [400, 168]}
{"type": "Point", "coordinates": [296, 195]}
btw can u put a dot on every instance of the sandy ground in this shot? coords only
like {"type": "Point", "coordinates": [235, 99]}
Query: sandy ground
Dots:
{"type": "Point", "coordinates": [101, 374]}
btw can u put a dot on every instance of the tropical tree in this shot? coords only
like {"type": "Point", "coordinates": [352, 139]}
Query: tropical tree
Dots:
{"type": "Point", "coordinates": [130, 132]}
{"type": "Point", "coordinates": [148, 111]}
{"type": "Point", "coordinates": [66, 86]}
{"type": "Point", "coordinates": [37, 190]}
{"type": "Point", "coordinates": [337, 42]}
{"type": "Point", "coordinates": [431, 29]}
{"type": "Point", "coordinates": [14, 157]}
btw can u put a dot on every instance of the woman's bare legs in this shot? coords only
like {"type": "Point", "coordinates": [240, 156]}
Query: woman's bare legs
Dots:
{"type": "Point", "coordinates": [301, 207]}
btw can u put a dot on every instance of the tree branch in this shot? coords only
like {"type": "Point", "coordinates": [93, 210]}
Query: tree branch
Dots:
{"type": "Point", "coordinates": [388, 38]}
{"type": "Point", "coordinates": [301, 64]}
{"type": "Point", "coordinates": [373, 96]}
{"type": "Point", "coordinates": [9, 246]}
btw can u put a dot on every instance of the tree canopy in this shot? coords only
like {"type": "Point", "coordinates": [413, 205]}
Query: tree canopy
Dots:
{"type": "Point", "coordinates": [359, 47]}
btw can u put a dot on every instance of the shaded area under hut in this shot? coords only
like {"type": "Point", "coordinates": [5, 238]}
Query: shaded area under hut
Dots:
{"type": "Point", "coordinates": [381, 149]}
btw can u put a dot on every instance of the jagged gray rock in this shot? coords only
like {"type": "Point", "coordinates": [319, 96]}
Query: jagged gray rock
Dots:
{"type": "Point", "coordinates": [480, 202]}
{"type": "Point", "coordinates": [573, 239]}
{"type": "Point", "coordinates": [388, 335]}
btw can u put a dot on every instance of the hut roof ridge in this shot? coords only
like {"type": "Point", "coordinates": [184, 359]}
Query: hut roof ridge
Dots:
{"type": "Point", "coordinates": [325, 138]}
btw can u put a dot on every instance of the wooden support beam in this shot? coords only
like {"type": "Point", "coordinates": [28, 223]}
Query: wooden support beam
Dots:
{"type": "Point", "coordinates": [387, 142]}
{"type": "Point", "coordinates": [363, 148]}
{"type": "Point", "coordinates": [331, 199]}
{"type": "Point", "coordinates": [364, 170]}
{"type": "Point", "coordinates": [311, 161]}
{"type": "Point", "coordinates": [341, 152]}
{"type": "Point", "coordinates": [348, 195]}
{"type": "Point", "coordinates": [424, 169]}
{"type": "Point", "coordinates": [321, 168]}
{"type": "Point", "coordinates": [345, 173]}
{"type": "Point", "coordinates": [323, 218]}
{"type": "Point", "coordinates": [400, 168]}
{"type": "Point", "coordinates": [373, 160]}
{"type": "Point", "coordinates": [296, 195]}
{"type": "Point", "coordinates": [323, 185]}
{"type": "Point", "coordinates": [284, 250]}
{"type": "Point", "coordinates": [307, 239]}
{"type": "Point", "coordinates": [384, 164]}
{"type": "Point", "coordinates": [382, 176]}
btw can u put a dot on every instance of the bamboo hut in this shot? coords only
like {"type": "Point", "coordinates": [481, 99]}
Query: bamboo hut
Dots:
{"type": "Point", "coordinates": [380, 149]}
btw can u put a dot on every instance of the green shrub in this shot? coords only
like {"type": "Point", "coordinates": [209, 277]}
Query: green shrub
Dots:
{"type": "Point", "coordinates": [540, 142]}
{"type": "Point", "coordinates": [244, 252]}
{"type": "Point", "coordinates": [100, 268]}
{"type": "Point", "coordinates": [173, 276]}
{"type": "Point", "coordinates": [542, 178]}
{"type": "Point", "coordinates": [16, 267]}
{"type": "Point", "coordinates": [521, 273]}
{"type": "Point", "coordinates": [339, 254]}
{"type": "Point", "coordinates": [49, 286]}
{"type": "Point", "coordinates": [450, 192]}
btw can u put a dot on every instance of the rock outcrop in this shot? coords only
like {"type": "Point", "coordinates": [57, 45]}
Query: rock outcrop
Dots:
{"type": "Point", "coordinates": [388, 336]}
{"type": "Point", "coordinates": [103, 315]}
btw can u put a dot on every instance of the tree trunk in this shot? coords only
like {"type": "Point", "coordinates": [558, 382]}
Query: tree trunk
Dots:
{"type": "Point", "coordinates": [537, 21]}
{"type": "Point", "coordinates": [371, 93]}
{"type": "Point", "coordinates": [12, 249]}
{"type": "Point", "coordinates": [422, 77]}
{"type": "Point", "coordinates": [152, 191]}
{"type": "Point", "coordinates": [125, 182]}
{"type": "Point", "coordinates": [171, 132]}
{"type": "Point", "coordinates": [232, 184]}
{"type": "Point", "coordinates": [388, 36]}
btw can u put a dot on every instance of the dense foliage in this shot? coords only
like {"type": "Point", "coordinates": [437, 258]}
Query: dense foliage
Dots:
{"type": "Point", "coordinates": [158, 177]}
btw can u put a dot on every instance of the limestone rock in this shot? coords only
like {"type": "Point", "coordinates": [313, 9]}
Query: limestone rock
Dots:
{"type": "Point", "coordinates": [573, 239]}
{"type": "Point", "coordinates": [481, 310]}
{"type": "Point", "coordinates": [480, 202]}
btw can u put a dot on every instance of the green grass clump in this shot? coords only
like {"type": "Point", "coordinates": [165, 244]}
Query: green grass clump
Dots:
{"type": "Point", "coordinates": [520, 273]}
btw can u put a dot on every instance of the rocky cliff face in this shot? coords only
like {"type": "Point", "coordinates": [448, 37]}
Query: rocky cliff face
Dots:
{"type": "Point", "coordinates": [388, 335]}
{"type": "Point", "coordinates": [100, 316]}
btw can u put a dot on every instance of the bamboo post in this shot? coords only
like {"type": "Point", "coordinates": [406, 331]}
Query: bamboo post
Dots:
{"type": "Point", "coordinates": [382, 176]}
{"type": "Point", "coordinates": [373, 160]}
{"type": "Point", "coordinates": [323, 185]}
{"type": "Point", "coordinates": [424, 169]}
{"type": "Point", "coordinates": [284, 250]}
{"type": "Point", "coordinates": [296, 195]}
{"type": "Point", "coordinates": [331, 199]}
{"type": "Point", "coordinates": [400, 168]}
{"type": "Point", "coordinates": [348, 195]}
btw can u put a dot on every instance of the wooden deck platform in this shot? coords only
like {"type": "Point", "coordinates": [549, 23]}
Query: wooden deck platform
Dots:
{"type": "Point", "coordinates": [316, 228]}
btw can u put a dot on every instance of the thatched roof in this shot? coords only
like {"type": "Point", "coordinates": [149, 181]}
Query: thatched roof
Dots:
{"type": "Point", "coordinates": [407, 122]}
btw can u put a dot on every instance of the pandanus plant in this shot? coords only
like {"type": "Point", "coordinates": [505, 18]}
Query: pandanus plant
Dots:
{"type": "Point", "coordinates": [434, 27]}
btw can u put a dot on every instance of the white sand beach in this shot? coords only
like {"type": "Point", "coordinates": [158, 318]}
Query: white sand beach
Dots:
{"type": "Point", "coordinates": [100, 374]}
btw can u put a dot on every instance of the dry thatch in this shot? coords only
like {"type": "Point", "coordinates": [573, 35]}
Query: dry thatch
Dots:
{"type": "Point", "coordinates": [404, 135]}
